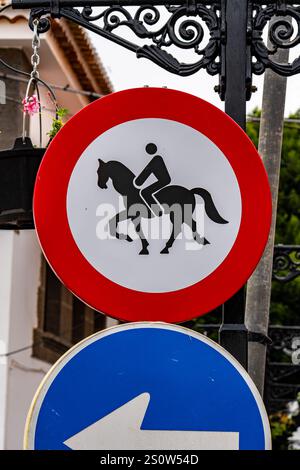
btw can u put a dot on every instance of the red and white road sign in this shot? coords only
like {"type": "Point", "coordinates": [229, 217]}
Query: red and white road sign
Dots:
{"type": "Point", "coordinates": [152, 204]}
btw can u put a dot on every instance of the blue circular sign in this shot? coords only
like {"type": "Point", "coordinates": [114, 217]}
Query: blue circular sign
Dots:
{"type": "Point", "coordinates": [147, 386]}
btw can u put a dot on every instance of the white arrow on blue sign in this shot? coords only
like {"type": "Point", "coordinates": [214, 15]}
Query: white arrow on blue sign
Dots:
{"type": "Point", "coordinates": [147, 386]}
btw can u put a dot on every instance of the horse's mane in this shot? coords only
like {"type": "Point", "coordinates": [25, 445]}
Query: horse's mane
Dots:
{"type": "Point", "coordinates": [113, 165]}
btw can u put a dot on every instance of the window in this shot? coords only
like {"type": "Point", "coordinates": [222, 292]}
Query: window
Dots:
{"type": "Point", "coordinates": [63, 320]}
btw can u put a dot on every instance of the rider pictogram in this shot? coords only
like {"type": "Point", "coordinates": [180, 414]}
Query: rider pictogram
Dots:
{"type": "Point", "coordinates": [158, 169]}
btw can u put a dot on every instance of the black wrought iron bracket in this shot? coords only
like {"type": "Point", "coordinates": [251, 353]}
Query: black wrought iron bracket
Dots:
{"type": "Point", "coordinates": [283, 372]}
{"type": "Point", "coordinates": [163, 30]}
{"type": "Point", "coordinates": [257, 337]}
{"type": "Point", "coordinates": [286, 262]}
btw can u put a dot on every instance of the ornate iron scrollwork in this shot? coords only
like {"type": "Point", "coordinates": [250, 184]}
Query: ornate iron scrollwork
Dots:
{"type": "Point", "coordinates": [282, 383]}
{"type": "Point", "coordinates": [286, 262]}
{"type": "Point", "coordinates": [284, 33]}
{"type": "Point", "coordinates": [198, 26]}
{"type": "Point", "coordinates": [195, 27]}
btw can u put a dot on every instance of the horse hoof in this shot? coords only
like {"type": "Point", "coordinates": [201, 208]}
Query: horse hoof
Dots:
{"type": "Point", "coordinates": [144, 251]}
{"type": "Point", "coordinates": [164, 251]}
{"type": "Point", "coordinates": [206, 242]}
{"type": "Point", "coordinates": [129, 239]}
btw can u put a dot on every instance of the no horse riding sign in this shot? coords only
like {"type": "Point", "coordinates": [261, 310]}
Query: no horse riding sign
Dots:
{"type": "Point", "coordinates": [152, 204]}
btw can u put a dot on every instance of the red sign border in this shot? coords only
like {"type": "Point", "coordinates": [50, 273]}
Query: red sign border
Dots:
{"type": "Point", "coordinates": [86, 282]}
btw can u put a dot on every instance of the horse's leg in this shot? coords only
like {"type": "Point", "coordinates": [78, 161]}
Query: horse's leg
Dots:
{"type": "Point", "coordinates": [113, 225]}
{"type": "Point", "coordinates": [197, 238]}
{"type": "Point", "coordinates": [139, 231]}
{"type": "Point", "coordinates": [176, 229]}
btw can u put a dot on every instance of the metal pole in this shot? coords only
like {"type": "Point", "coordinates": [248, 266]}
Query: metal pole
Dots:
{"type": "Point", "coordinates": [260, 283]}
{"type": "Point", "coordinates": [233, 333]}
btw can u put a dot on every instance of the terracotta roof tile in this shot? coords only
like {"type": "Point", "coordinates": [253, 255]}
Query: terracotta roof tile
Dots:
{"type": "Point", "coordinates": [89, 53]}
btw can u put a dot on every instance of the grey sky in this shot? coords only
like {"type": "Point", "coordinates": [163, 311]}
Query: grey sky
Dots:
{"type": "Point", "coordinates": [126, 71]}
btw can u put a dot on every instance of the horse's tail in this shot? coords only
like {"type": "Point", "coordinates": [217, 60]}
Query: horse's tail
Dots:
{"type": "Point", "coordinates": [209, 206]}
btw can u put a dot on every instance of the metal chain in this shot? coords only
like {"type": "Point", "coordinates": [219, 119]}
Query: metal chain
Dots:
{"type": "Point", "coordinates": [34, 77]}
{"type": "Point", "coordinates": [35, 58]}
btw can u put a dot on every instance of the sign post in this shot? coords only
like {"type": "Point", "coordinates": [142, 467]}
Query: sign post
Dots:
{"type": "Point", "coordinates": [233, 332]}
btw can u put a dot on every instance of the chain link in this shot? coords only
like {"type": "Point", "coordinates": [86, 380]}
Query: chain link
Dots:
{"type": "Point", "coordinates": [34, 78]}
{"type": "Point", "coordinates": [35, 58]}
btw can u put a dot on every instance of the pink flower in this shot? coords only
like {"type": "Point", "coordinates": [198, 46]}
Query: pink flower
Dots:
{"type": "Point", "coordinates": [31, 105]}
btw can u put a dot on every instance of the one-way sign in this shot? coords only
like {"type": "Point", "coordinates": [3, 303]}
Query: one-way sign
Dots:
{"type": "Point", "coordinates": [147, 386]}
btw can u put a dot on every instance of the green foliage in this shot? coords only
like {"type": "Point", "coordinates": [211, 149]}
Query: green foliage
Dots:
{"type": "Point", "coordinates": [286, 297]}
{"type": "Point", "coordinates": [57, 122]}
{"type": "Point", "coordinates": [253, 127]}
{"type": "Point", "coordinates": [282, 427]}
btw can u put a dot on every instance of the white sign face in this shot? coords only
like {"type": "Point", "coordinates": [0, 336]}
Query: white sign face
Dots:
{"type": "Point", "coordinates": [193, 161]}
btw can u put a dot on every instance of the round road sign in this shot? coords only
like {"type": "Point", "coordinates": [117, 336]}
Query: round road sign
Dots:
{"type": "Point", "coordinates": [152, 204]}
{"type": "Point", "coordinates": [147, 386]}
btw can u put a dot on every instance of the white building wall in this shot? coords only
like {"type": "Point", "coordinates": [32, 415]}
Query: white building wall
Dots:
{"type": "Point", "coordinates": [20, 374]}
{"type": "Point", "coordinates": [6, 250]}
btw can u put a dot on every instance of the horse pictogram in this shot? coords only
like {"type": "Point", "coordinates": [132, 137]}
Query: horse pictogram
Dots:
{"type": "Point", "coordinates": [154, 200]}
